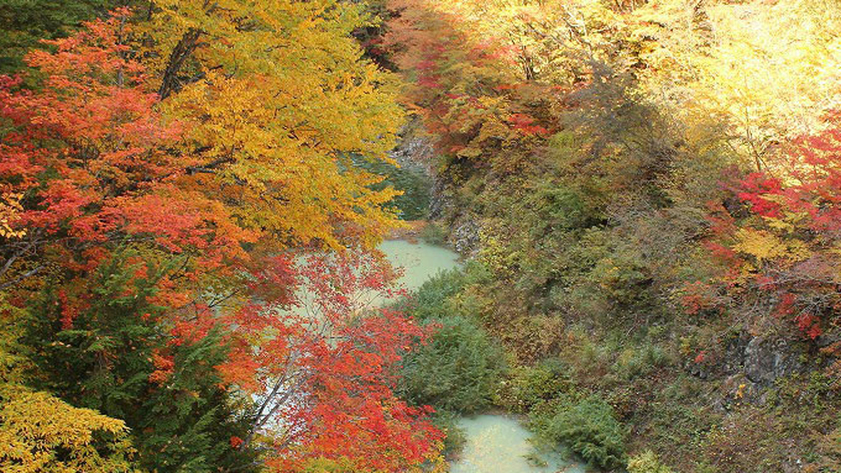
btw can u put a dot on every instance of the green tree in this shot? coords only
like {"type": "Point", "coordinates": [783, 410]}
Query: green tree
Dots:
{"type": "Point", "coordinates": [120, 358]}
{"type": "Point", "coordinates": [25, 22]}
{"type": "Point", "coordinates": [456, 371]}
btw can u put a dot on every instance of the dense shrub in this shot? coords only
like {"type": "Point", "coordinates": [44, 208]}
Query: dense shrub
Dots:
{"type": "Point", "coordinates": [178, 412]}
{"type": "Point", "coordinates": [412, 180]}
{"type": "Point", "coordinates": [432, 299]}
{"type": "Point", "coordinates": [589, 428]}
{"type": "Point", "coordinates": [455, 437]}
{"type": "Point", "coordinates": [647, 462]}
{"type": "Point", "coordinates": [456, 371]}
{"type": "Point", "coordinates": [434, 234]}
{"type": "Point", "coordinates": [622, 231]}
{"type": "Point", "coordinates": [639, 361]}
{"type": "Point", "coordinates": [527, 387]}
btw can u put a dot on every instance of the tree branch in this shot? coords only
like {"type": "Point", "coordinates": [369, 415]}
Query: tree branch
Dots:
{"type": "Point", "coordinates": [183, 50]}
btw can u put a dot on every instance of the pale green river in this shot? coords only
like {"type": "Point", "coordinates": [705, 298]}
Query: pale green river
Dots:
{"type": "Point", "coordinates": [494, 443]}
{"type": "Point", "coordinates": [420, 261]}
{"type": "Point", "coordinates": [500, 444]}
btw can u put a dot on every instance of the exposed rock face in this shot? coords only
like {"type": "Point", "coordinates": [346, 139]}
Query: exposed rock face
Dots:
{"type": "Point", "coordinates": [749, 367]}
{"type": "Point", "coordinates": [768, 359]}
{"type": "Point", "coordinates": [737, 390]}
{"type": "Point", "coordinates": [438, 202]}
{"type": "Point", "coordinates": [761, 359]}
{"type": "Point", "coordinates": [414, 151]}
{"type": "Point", "coordinates": [465, 237]}
{"type": "Point", "coordinates": [418, 151]}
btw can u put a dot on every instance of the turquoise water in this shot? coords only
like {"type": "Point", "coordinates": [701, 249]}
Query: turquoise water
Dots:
{"type": "Point", "coordinates": [420, 260]}
{"type": "Point", "coordinates": [494, 443]}
{"type": "Point", "coordinates": [499, 444]}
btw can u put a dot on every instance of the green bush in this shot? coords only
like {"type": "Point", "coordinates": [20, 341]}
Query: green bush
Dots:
{"type": "Point", "coordinates": [455, 438]}
{"type": "Point", "coordinates": [530, 386]}
{"type": "Point", "coordinates": [623, 279]}
{"type": "Point", "coordinates": [432, 299]}
{"type": "Point", "coordinates": [553, 207]}
{"type": "Point", "coordinates": [639, 361]}
{"type": "Point", "coordinates": [456, 371]}
{"type": "Point", "coordinates": [434, 234]}
{"type": "Point", "coordinates": [415, 183]}
{"type": "Point", "coordinates": [647, 462]}
{"type": "Point", "coordinates": [589, 428]}
{"type": "Point", "coordinates": [191, 410]}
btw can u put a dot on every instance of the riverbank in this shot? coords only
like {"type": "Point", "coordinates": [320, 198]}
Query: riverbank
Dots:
{"type": "Point", "coordinates": [409, 230]}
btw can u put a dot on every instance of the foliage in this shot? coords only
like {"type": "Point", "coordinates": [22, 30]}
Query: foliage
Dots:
{"type": "Point", "coordinates": [40, 433]}
{"type": "Point", "coordinates": [650, 197]}
{"type": "Point", "coordinates": [528, 388]}
{"type": "Point", "coordinates": [24, 23]}
{"type": "Point", "coordinates": [320, 465]}
{"type": "Point", "coordinates": [639, 361]}
{"type": "Point", "coordinates": [787, 253]}
{"type": "Point", "coordinates": [283, 106]}
{"type": "Point", "coordinates": [654, 186]}
{"type": "Point", "coordinates": [646, 462]}
{"type": "Point", "coordinates": [455, 437]}
{"type": "Point", "coordinates": [412, 180]}
{"type": "Point", "coordinates": [735, 63]}
{"type": "Point", "coordinates": [588, 427]}
{"type": "Point", "coordinates": [152, 185]}
{"type": "Point", "coordinates": [115, 359]}
{"type": "Point", "coordinates": [334, 363]}
{"type": "Point", "coordinates": [434, 234]}
{"type": "Point", "coordinates": [457, 370]}
{"type": "Point", "coordinates": [434, 298]}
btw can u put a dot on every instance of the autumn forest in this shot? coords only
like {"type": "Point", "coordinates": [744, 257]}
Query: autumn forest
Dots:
{"type": "Point", "coordinates": [644, 196]}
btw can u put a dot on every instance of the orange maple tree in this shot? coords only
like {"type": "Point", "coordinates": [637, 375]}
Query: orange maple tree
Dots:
{"type": "Point", "coordinates": [90, 164]}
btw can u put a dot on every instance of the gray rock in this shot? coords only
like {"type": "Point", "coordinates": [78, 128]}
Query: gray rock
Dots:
{"type": "Point", "coordinates": [414, 151]}
{"type": "Point", "coordinates": [769, 359]}
{"type": "Point", "coordinates": [465, 237]}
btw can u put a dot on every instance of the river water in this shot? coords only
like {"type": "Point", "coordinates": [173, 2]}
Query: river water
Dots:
{"type": "Point", "coordinates": [500, 444]}
{"type": "Point", "coordinates": [420, 261]}
{"type": "Point", "coordinates": [494, 443]}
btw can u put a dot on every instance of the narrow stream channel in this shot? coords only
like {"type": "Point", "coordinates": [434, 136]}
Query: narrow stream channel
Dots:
{"type": "Point", "coordinates": [420, 261]}
{"type": "Point", "coordinates": [500, 444]}
{"type": "Point", "coordinates": [494, 443]}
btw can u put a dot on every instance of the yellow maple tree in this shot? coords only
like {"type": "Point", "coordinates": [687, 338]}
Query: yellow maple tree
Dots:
{"type": "Point", "coordinates": [39, 433]}
{"type": "Point", "coordinates": [278, 102]}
